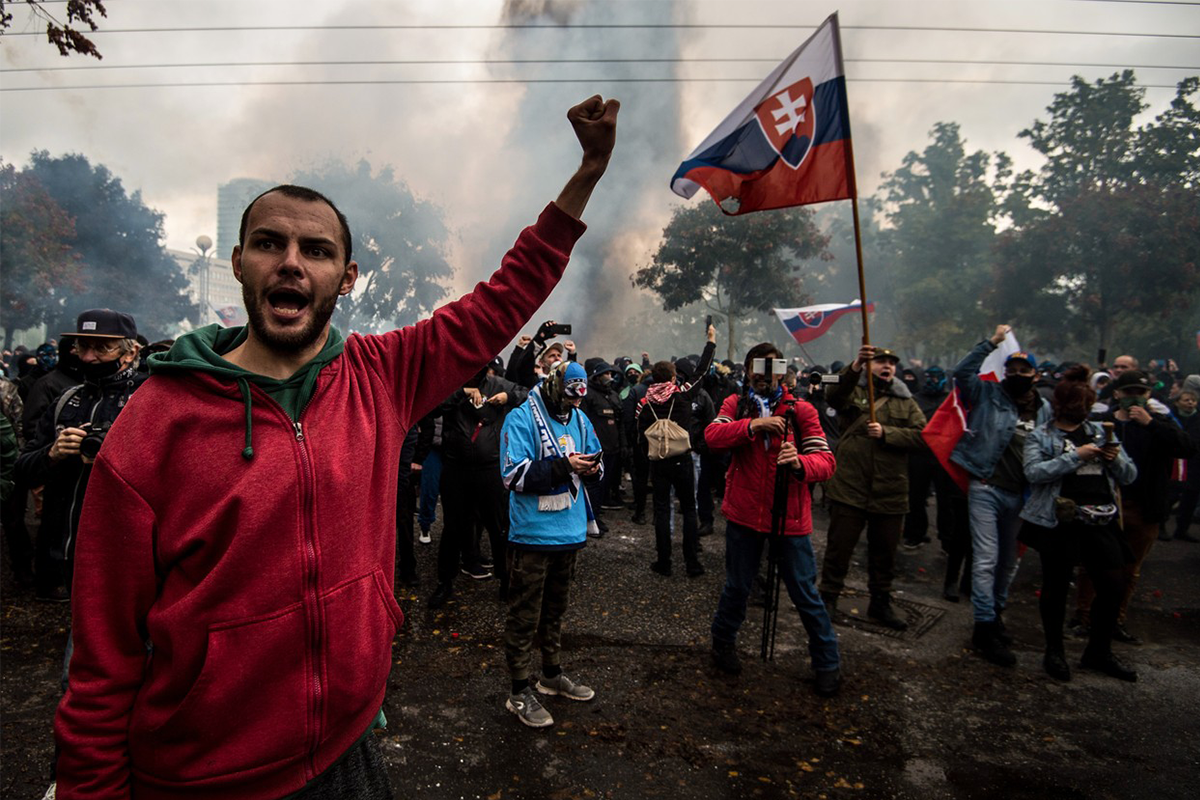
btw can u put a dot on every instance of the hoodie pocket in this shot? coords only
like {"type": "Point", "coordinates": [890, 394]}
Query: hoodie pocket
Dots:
{"type": "Point", "coordinates": [247, 708]}
{"type": "Point", "coordinates": [361, 619]}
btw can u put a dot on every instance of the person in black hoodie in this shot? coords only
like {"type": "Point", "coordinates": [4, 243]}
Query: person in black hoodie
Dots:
{"type": "Point", "coordinates": [602, 405]}
{"type": "Point", "coordinates": [472, 490]}
{"type": "Point", "coordinates": [1152, 441]}
{"type": "Point", "coordinates": [665, 398]}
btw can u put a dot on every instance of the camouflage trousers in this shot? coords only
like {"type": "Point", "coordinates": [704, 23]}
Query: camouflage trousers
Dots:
{"type": "Point", "coordinates": [539, 589]}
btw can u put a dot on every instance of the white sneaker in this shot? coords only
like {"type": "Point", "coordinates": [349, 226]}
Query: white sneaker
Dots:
{"type": "Point", "coordinates": [560, 684]}
{"type": "Point", "coordinates": [424, 537]}
{"type": "Point", "coordinates": [527, 708]}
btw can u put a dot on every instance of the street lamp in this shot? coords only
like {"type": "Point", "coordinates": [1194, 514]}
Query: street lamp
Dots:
{"type": "Point", "coordinates": [202, 265]}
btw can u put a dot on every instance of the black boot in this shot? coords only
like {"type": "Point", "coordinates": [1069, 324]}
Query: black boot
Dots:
{"type": "Point", "coordinates": [1108, 664]}
{"type": "Point", "coordinates": [880, 610]}
{"type": "Point", "coordinates": [990, 647]}
{"type": "Point", "coordinates": [950, 590]}
{"type": "Point", "coordinates": [725, 658]}
{"type": "Point", "coordinates": [1002, 632]}
{"type": "Point", "coordinates": [1055, 664]}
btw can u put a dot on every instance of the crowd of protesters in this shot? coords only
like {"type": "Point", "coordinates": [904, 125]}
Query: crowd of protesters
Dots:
{"type": "Point", "coordinates": [181, 620]}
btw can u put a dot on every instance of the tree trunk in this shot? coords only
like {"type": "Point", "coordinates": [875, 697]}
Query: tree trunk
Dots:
{"type": "Point", "coordinates": [8, 334]}
{"type": "Point", "coordinates": [731, 347]}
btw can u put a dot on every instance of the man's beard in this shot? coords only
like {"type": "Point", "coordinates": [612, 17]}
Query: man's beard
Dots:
{"type": "Point", "coordinates": [292, 340]}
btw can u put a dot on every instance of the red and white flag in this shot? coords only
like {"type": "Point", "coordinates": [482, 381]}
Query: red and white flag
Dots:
{"type": "Point", "coordinates": [949, 422]}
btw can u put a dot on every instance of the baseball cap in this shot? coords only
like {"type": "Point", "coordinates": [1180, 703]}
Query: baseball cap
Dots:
{"type": "Point", "coordinates": [1021, 355]}
{"type": "Point", "coordinates": [1133, 378]}
{"type": "Point", "coordinates": [104, 323]}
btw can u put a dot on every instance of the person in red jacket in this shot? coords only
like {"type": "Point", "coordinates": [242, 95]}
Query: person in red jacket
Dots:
{"type": "Point", "coordinates": [754, 428]}
{"type": "Point", "coordinates": [234, 609]}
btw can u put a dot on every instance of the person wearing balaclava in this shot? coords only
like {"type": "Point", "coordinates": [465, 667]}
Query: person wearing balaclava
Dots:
{"type": "Point", "coordinates": [992, 453]}
{"type": "Point", "coordinates": [548, 449]}
{"type": "Point", "coordinates": [1153, 441]}
{"type": "Point", "coordinates": [56, 454]}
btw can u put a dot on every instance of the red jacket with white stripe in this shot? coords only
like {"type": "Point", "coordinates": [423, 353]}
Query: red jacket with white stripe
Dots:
{"type": "Point", "coordinates": [233, 618]}
{"type": "Point", "coordinates": [750, 483]}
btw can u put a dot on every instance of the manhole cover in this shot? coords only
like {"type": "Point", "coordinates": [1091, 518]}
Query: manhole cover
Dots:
{"type": "Point", "coordinates": [852, 612]}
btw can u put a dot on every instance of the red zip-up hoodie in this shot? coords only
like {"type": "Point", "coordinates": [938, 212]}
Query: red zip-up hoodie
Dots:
{"type": "Point", "coordinates": [233, 617]}
{"type": "Point", "coordinates": [750, 483]}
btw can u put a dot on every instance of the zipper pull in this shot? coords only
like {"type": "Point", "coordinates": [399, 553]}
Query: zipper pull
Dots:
{"type": "Point", "coordinates": [299, 431]}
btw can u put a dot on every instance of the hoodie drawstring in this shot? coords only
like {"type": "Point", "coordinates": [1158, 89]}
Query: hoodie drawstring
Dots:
{"type": "Point", "coordinates": [244, 387]}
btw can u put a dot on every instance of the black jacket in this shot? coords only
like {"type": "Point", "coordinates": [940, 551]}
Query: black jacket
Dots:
{"type": "Point", "coordinates": [602, 405]}
{"type": "Point", "coordinates": [96, 404]}
{"type": "Point", "coordinates": [678, 407]}
{"type": "Point", "coordinates": [472, 435]}
{"type": "Point", "coordinates": [1152, 448]}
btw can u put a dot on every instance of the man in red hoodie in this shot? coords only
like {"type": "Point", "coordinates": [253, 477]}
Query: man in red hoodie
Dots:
{"type": "Point", "coordinates": [234, 608]}
{"type": "Point", "coordinates": [754, 427]}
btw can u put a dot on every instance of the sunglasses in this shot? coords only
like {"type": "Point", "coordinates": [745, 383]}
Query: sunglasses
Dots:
{"type": "Point", "coordinates": [99, 348]}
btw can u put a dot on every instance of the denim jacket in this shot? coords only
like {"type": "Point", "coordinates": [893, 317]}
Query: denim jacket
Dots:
{"type": "Point", "coordinates": [993, 417]}
{"type": "Point", "coordinates": [1046, 464]}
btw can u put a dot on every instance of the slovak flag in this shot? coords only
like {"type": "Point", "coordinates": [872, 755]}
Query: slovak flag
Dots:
{"type": "Point", "coordinates": [787, 144]}
{"type": "Point", "coordinates": [230, 316]}
{"type": "Point", "coordinates": [810, 322]}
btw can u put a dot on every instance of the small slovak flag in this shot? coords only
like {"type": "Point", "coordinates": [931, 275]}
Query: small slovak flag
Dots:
{"type": "Point", "coordinates": [810, 322]}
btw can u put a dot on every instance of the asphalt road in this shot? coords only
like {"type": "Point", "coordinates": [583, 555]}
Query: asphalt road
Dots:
{"type": "Point", "coordinates": [920, 716]}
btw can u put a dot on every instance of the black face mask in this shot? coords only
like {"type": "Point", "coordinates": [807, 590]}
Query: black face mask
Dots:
{"type": "Point", "coordinates": [100, 370]}
{"type": "Point", "coordinates": [1017, 385]}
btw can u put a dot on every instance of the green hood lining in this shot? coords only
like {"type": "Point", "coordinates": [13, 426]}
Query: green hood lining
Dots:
{"type": "Point", "coordinates": [201, 350]}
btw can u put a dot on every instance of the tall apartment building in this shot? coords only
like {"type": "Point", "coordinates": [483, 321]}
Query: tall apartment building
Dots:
{"type": "Point", "coordinates": [232, 198]}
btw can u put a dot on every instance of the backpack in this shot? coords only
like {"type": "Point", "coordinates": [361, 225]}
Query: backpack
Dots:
{"type": "Point", "coordinates": [667, 439]}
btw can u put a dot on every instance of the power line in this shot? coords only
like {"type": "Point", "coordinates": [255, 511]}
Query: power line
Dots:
{"type": "Point", "coordinates": [438, 81]}
{"type": "Point", "coordinates": [502, 61]}
{"type": "Point", "coordinates": [615, 26]}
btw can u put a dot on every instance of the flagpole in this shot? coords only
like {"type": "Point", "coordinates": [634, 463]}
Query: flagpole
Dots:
{"type": "Point", "coordinates": [862, 280]}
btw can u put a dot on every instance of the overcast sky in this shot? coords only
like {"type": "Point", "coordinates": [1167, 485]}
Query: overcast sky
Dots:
{"type": "Point", "coordinates": [492, 154]}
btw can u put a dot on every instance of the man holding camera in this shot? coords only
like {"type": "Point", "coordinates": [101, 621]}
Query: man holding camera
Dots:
{"type": "Point", "coordinates": [61, 451]}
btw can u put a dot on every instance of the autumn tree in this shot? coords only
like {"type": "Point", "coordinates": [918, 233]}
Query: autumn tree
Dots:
{"type": "Point", "coordinates": [65, 35]}
{"type": "Point", "coordinates": [40, 266]}
{"type": "Point", "coordinates": [733, 266]}
{"type": "Point", "coordinates": [399, 244]}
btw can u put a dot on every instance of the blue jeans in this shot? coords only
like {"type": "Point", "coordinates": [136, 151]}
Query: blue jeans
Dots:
{"type": "Point", "coordinates": [431, 480]}
{"type": "Point", "coordinates": [994, 524]}
{"type": "Point", "coordinates": [797, 568]}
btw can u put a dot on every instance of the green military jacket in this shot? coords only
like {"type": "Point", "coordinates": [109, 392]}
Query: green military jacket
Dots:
{"type": "Point", "coordinates": [872, 474]}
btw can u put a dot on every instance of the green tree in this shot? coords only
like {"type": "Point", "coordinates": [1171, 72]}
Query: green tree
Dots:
{"type": "Point", "coordinates": [942, 212]}
{"type": "Point", "coordinates": [40, 267]}
{"type": "Point", "coordinates": [119, 241]}
{"type": "Point", "coordinates": [58, 33]}
{"type": "Point", "coordinates": [1106, 238]}
{"type": "Point", "coordinates": [733, 265]}
{"type": "Point", "coordinates": [399, 244]}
